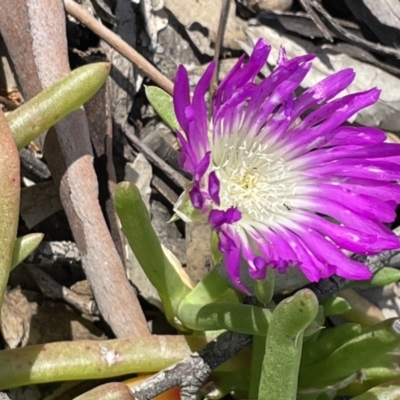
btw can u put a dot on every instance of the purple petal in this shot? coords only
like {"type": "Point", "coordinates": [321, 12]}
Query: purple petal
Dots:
{"type": "Point", "coordinates": [365, 169]}
{"type": "Point", "coordinates": [275, 89]}
{"type": "Point", "coordinates": [200, 107]}
{"type": "Point", "coordinates": [317, 157]}
{"type": "Point", "coordinates": [346, 135]}
{"type": "Point", "coordinates": [347, 238]}
{"type": "Point", "coordinates": [214, 187]}
{"type": "Point", "coordinates": [369, 207]}
{"type": "Point", "coordinates": [273, 247]}
{"type": "Point", "coordinates": [323, 91]}
{"type": "Point", "coordinates": [341, 109]}
{"type": "Point", "coordinates": [188, 160]}
{"type": "Point", "coordinates": [196, 197]}
{"type": "Point", "coordinates": [273, 130]}
{"type": "Point", "coordinates": [312, 268]}
{"type": "Point", "coordinates": [181, 96]}
{"type": "Point", "coordinates": [229, 112]}
{"type": "Point", "coordinates": [379, 189]}
{"type": "Point", "coordinates": [231, 251]}
{"type": "Point", "coordinates": [279, 96]}
{"type": "Point", "coordinates": [258, 268]}
{"type": "Point", "coordinates": [329, 117]}
{"type": "Point", "coordinates": [219, 96]}
{"type": "Point", "coordinates": [343, 215]}
{"type": "Point", "coordinates": [265, 88]}
{"type": "Point", "coordinates": [217, 218]}
{"type": "Point", "coordinates": [251, 69]}
{"type": "Point", "coordinates": [262, 243]}
{"type": "Point", "coordinates": [257, 265]}
{"type": "Point", "coordinates": [243, 73]}
{"type": "Point", "coordinates": [202, 167]}
{"type": "Point", "coordinates": [327, 252]}
{"type": "Point", "coordinates": [197, 137]}
{"type": "Point", "coordinates": [282, 56]}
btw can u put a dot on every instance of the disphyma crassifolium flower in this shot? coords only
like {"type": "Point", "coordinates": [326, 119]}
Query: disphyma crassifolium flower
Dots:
{"type": "Point", "coordinates": [281, 177]}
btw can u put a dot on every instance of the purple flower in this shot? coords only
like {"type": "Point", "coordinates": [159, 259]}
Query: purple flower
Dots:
{"type": "Point", "coordinates": [280, 177]}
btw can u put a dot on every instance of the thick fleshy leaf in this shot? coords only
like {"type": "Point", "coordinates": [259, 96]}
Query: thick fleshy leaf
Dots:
{"type": "Point", "coordinates": [57, 101]}
{"type": "Point", "coordinates": [163, 105]}
{"type": "Point", "coordinates": [9, 201]}
{"type": "Point", "coordinates": [24, 246]}
{"type": "Point", "coordinates": [284, 344]}
{"type": "Point", "coordinates": [145, 245]}
{"type": "Point", "coordinates": [341, 363]}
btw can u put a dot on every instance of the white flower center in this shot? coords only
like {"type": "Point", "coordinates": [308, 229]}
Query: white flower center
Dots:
{"type": "Point", "coordinates": [253, 179]}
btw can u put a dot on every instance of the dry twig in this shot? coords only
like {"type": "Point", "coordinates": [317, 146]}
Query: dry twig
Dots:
{"type": "Point", "coordinates": [118, 44]}
{"type": "Point", "coordinates": [191, 373]}
{"type": "Point", "coordinates": [34, 165]}
{"type": "Point", "coordinates": [8, 103]}
{"type": "Point", "coordinates": [218, 43]}
{"type": "Point", "coordinates": [317, 20]}
{"type": "Point", "coordinates": [175, 176]}
{"type": "Point", "coordinates": [52, 289]}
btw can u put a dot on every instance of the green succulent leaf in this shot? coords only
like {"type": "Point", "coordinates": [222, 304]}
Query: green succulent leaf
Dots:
{"type": "Point", "coordinates": [383, 277]}
{"type": "Point", "coordinates": [387, 391]}
{"type": "Point", "coordinates": [56, 102]}
{"type": "Point", "coordinates": [280, 369]}
{"type": "Point", "coordinates": [327, 342]}
{"type": "Point", "coordinates": [335, 306]}
{"type": "Point", "coordinates": [24, 246]}
{"type": "Point", "coordinates": [146, 246]}
{"type": "Point", "coordinates": [163, 105]}
{"type": "Point", "coordinates": [241, 318]}
{"type": "Point", "coordinates": [353, 355]}
{"type": "Point", "coordinates": [9, 201]}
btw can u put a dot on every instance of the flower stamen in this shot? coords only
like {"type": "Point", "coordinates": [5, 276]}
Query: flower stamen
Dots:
{"type": "Point", "coordinates": [252, 179]}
